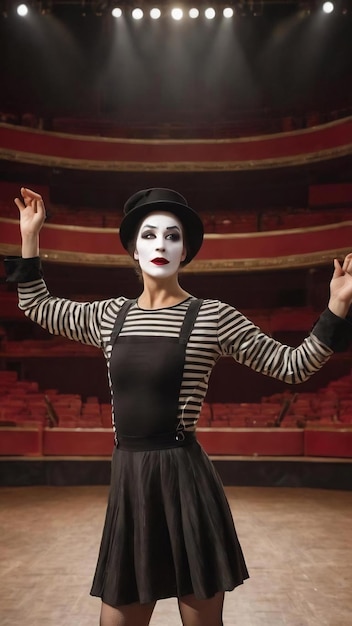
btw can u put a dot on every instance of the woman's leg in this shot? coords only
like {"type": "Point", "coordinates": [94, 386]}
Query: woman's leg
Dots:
{"type": "Point", "coordinates": [196, 612]}
{"type": "Point", "coordinates": [127, 615]}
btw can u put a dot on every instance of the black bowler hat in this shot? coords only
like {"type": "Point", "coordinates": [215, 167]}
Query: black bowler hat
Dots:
{"type": "Point", "coordinates": [156, 199]}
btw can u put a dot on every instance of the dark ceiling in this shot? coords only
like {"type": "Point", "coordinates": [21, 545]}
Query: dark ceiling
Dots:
{"type": "Point", "coordinates": [62, 63]}
{"type": "Point", "coordinates": [281, 61]}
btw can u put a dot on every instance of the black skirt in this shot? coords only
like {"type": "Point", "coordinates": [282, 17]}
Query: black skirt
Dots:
{"type": "Point", "coordinates": [168, 529]}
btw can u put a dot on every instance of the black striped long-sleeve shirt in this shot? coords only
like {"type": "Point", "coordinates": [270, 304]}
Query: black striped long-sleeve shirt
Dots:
{"type": "Point", "coordinates": [219, 330]}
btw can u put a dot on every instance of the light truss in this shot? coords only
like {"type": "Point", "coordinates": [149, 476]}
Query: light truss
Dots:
{"type": "Point", "coordinates": [237, 7]}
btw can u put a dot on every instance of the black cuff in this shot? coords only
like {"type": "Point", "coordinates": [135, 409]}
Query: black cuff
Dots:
{"type": "Point", "coordinates": [335, 332]}
{"type": "Point", "coordinates": [19, 270]}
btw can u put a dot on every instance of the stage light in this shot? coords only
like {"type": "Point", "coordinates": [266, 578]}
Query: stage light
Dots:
{"type": "Point", "coordinates": [227, 12]}
{"type": "Point", "coordinates": [193, 13]}
{"type": "Point", "coordinates": [177, 14]}
{"type": "Point", "coordinates": [116, 12]}
{"type": "Point", "coordinates": [22, 10]}
{"type": "Point", "coordinates": [328, 7]}
{"type": "Point", "coordinates": [155, 14]}
{"type": "Point", "coordinates": [209, 13]}
{"type": "Point", "coordinates": [137, 14]}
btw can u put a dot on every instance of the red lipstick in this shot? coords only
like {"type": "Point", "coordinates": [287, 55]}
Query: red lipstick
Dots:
{"type": "Point", "coordinates": [160, 261]}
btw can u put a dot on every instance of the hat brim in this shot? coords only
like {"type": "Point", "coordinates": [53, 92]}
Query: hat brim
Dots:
{"type": "Point", "coordinates": [190, 220]}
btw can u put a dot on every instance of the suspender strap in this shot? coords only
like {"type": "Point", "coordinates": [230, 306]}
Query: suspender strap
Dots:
{"type": "Point", "coordinates": [189, 320]}
{"type": "Point", "coordinates": [120, 318]}
{"type": "Point", "coordinates": [186, 329]}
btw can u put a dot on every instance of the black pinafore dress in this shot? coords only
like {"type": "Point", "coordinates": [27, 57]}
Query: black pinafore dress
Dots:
{"type": "Point", "coordinates": [168, 529]}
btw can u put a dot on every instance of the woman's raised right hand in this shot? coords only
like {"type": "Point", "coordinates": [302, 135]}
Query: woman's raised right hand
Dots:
{"type": "Point", "coordinates": [32, 212]}
{"type": "Point", "coordinates": [32, 217]}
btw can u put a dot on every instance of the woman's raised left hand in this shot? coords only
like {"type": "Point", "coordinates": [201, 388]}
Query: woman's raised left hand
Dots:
{"type": "Point", "coordinates": [341, 287]}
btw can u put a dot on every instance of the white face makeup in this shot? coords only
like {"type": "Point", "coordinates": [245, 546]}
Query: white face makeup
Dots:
{"type": "Point", "coordinates": [159, 245]}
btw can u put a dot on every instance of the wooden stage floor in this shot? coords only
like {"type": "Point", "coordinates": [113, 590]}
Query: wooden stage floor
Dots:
{"type": "Point", "coordinates": [297, 543]}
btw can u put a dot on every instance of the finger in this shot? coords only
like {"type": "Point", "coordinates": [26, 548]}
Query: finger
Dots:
{"type": "Point", "coordinates": [338, 271]}
{"type": "Point", "coordinates": [31, 193]}
{"type": "Point", "coordinates": [19, 204]}
{"type": "Point", "coordinates": [347, 263]}
{"type": "Point", "coordinates": [27, 202]}
{"type": "Point", "coordinates": [40, 207]}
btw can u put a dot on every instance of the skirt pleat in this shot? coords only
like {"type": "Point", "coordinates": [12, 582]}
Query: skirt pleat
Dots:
{"type": "Point", "coordinates": [168, 529]}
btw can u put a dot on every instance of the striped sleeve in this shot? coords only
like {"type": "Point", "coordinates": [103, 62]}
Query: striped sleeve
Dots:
{"type": "Point", "coordinates": [79, 321]}
{"type": "Point", "coordinates": [240, 338]}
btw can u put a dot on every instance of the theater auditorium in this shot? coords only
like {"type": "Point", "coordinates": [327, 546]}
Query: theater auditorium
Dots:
{"type": "Point", "coordinates": [245, 108]}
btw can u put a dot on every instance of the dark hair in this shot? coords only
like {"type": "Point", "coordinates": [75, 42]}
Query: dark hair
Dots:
{"type": "Point", "coordinates": [131, 246]}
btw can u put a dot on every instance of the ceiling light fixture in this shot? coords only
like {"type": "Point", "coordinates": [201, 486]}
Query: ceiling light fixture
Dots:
{"type": "Point", "coordinates": [116, 12]}
{"type": "Point", "coordinates": [328, 7]}
{"type": "Point", "coordinates": [227, 12]}
{"type": "Point", "coordinates": [193, 13]}
{"type": "Point", "coordinates": [210, 13]}
{"type": "Point", "coordinates": [137, 14]}
{"type": "Point", "coordinates": [177, 14]}
{"type": "Point", "coordinates": [155, 13]}
{"type": "Point", "coordinates": [22, 10]}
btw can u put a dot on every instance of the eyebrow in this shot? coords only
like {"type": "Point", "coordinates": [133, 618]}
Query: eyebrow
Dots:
{"type": "Point", "coordinates": [168, 227]}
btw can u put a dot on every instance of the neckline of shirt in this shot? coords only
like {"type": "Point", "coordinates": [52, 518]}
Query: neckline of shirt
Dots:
{"type": "Point", "coordinates": [164, 308]}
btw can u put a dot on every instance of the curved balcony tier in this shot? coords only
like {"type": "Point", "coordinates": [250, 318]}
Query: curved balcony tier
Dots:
{"type": "Point", "coordinates": [319, 143]}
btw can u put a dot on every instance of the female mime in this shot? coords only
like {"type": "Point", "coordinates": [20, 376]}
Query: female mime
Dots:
{"type": "Point", "coordinates": [168, 529]}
